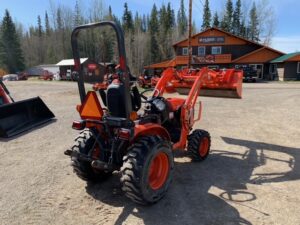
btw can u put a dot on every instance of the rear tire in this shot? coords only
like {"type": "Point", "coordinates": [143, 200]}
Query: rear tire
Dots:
{"type": "Point", "coordinates": [84, 144]}
{"type": "Point", "coordinates": [199, 145]}
{"type": "Point", "coordinates": [147, 170]}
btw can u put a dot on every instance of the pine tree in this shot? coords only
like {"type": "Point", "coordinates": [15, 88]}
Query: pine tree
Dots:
{"type": "Point", "coordinates": [243, 30]}
{"type": "Point", "coordinates": [253, 24]}
{"type": "Point", "coordinates": [216, 22]}
{"type": "Point", "coordinates": [163, 19]}
{"type": "Point", "coordinates": [11, 56]}
{"type": "Point", "coordinates": [110, 14]}
{"type": "Point", "coordinates": [206, 16]}
{"type": "Point", "coordinates": [170, 16]}
{"type": "Point", "coordinates": [226, 23]}
{"type": "Point", "coordinates": [153, 30]}
{"type": "Point", "coordinates": [182, 22]}
{"type": "Point", "coordinates": [112, 17]}
{"type": "Point", "coordinates": [40, 40]}
{"type": "Point", "coordinates": [236, 22]}
{"type": "Point", "coordinates": [153, 23]}
{"type": "Point", "coordinates": [47, 24]}
{"type": "Point", "coordinates": [40, 28]}
{"type": "Point", "coordinates": [77, 15]}
{"type": "Point", "coordinates": [59, 19]}
{"type": "Point", "coordinates": [127, 21]}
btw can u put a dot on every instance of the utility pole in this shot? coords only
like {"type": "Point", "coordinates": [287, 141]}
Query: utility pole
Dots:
{"type": "Point", "coordinates": [190, 35]}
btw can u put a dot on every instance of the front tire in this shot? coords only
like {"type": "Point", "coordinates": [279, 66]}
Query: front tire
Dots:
{"type": "Point", "coordinates": [147, 170]}
{"type": "Point", "coordinates": [84, 144]}
{"type": "Point", "coordinates": [199, 145]}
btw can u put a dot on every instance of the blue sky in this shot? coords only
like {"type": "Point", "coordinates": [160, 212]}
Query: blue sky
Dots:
{"type": "Point", "coordinates": [287, 32]}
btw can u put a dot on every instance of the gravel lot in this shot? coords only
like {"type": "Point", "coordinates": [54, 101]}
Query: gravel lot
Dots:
{"type": "Point", "coordinates": [251, 177]}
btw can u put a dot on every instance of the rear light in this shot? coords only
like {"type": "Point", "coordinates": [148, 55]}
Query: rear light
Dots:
{"type": "Point", "coordinates": [78, 107]}
{"type": "Point", "coordinates": [78, 125]}
{"type": "Point", "coordinates": [124, 134]}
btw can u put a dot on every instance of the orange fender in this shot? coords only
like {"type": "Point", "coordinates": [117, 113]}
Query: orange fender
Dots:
{"type": "Point", "coordinates": [150, 129]}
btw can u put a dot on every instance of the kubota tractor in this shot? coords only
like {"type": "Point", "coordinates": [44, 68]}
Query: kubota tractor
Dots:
{"type": "Point", "coordinates": [117, 136]}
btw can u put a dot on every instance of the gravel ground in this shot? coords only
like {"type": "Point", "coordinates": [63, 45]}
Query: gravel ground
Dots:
{"type": "Point", "coordinates": [251, 177]}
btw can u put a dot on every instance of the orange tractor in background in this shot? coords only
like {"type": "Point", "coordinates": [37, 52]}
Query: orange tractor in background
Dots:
{"type": "Point", "coordinates": [132, 132]}
{"type": "Point", "coordinates": [145, 79]}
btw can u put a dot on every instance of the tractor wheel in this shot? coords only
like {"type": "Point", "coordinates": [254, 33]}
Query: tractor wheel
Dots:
{"type": "Point", "coordinates": [199, 145]}
{"type": "Point", "coordinates": [147, 170]}
{"type": "Point", "coordinates": [84, 144]}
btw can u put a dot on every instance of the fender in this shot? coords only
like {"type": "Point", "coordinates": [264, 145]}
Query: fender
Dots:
{"type": "Point", "coordinates": [150, 129]}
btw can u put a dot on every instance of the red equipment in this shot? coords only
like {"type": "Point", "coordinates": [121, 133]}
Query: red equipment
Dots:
{"type": "Point", "coordinates": [46, 75]}
{"type": "Point", "coordinates": [115, 136]}
{"type": "Point", "coordinates": [144, 81]}
{"type": "Point", "coordinates": [5, 97]}
{"type": "Point", "coordinates": [223, 83]}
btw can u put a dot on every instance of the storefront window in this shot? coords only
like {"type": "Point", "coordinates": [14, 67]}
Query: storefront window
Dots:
{"type": "Point", "coordinates": [216, 50]}
{"type": "Point", "coordinates": [185, 51]}
{"type": "Point", "coordinates": [201, 50]}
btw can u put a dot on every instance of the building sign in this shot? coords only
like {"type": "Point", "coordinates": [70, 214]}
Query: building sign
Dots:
{"type": "Point", "coordinates": [203, 59]}
{"type": "Point", "coordinates": [210, 40]}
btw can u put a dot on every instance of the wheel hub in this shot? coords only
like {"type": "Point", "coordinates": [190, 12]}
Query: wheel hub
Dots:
{"type": "Point", "coordinates": [159, 170]}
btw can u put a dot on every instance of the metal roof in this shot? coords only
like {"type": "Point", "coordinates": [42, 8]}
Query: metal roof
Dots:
{"type": "Point", "coordinates": [285, 57]}
{"type": "Point", "coordinates": [70, 62]}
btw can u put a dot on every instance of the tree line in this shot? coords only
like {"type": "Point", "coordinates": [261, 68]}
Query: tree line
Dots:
{"type": "Point", "coordinates": [148, 37]}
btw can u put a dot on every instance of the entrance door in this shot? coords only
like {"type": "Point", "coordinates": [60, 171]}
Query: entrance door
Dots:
{"type": "Point", "coordinates": [260, 70]}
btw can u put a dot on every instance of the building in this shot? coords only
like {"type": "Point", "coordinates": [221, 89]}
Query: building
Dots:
{"type": "Point", "coordinates": [216, 48]}
{"type": "Point", "coordinates": [52, 68]}
{"type": "Point", "coordinates": [286, 67]}
{"type": "Point", "coordinates": [40, 70]}
{"type": "Point", "coordinates": [92, 71]}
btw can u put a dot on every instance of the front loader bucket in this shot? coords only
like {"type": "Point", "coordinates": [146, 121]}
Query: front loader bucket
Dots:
{"type": "Point", "coordinates": [21, 116]}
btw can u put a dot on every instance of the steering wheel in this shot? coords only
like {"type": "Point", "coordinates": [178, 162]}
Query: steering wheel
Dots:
{"type": "Point", "coordinates": [152, 98]}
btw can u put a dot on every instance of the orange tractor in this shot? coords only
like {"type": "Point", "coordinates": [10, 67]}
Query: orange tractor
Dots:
{"type": "Point", "coordinates": [117, 136]}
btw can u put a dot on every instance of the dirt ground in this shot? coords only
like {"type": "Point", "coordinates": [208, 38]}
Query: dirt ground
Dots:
{"type": "Point", "coordinates": [251, 177]}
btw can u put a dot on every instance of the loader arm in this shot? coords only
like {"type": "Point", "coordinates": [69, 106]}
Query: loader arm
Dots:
{"type": "Point", "coordinates": [199, 80]}
{"type": "Point", "coordinates": [188, 108]}
{"type": "Point", "coordinates": [5, 97]}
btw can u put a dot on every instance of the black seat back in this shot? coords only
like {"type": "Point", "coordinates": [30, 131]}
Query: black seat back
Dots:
{"type": "Point", "coordinates": [115, 100]}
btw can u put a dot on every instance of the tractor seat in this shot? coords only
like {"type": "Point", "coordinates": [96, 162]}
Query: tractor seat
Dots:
{"type": "Point", "coordinates": [175, 103]}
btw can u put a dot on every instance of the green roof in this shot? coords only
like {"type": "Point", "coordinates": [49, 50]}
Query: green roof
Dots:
{"type": "Point", "coordinates": [285, 57]}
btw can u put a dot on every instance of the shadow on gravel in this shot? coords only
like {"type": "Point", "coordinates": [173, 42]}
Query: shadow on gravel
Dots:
{"type": "Point", "coordinates": [258, 150]}
{"type": "Point", "coordinates": [189, 200]}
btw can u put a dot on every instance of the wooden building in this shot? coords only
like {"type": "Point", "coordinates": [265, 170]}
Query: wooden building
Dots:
{"type": "Point", "coordinates": [218, 49]}
{"type": "Point", "coordinates": [92, 71]}
{"type": "Point", "coordinates": [286, 67]}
